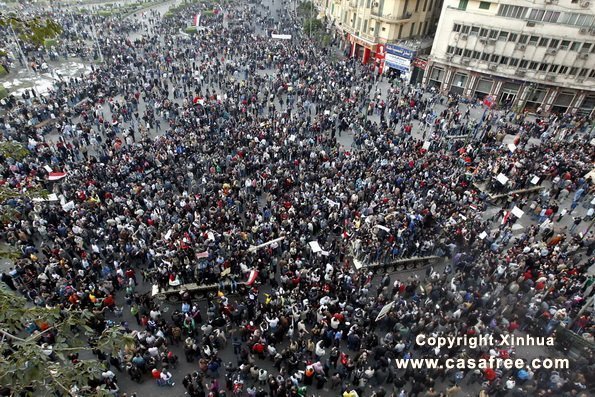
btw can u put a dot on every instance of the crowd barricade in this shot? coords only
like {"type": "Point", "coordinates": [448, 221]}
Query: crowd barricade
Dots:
{"type": "Point", "coordinates": [174, 294]}
{"type": "Point", "coordinates": [405, 264]}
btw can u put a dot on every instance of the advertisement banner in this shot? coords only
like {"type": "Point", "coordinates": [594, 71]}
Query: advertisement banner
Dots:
{"type": "Point", "coordinates": [395, 62]}
{"type": "Point", "coordinates": [399, 51]}
{"type": "Point", "coordinates": [420, 63]}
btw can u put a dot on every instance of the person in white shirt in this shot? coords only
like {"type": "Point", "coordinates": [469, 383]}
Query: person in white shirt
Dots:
{"type": "Point", "coordinates": [166, 378]}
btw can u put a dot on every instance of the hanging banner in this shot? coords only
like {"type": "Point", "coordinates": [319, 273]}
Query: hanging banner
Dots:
{"type": "Point", "coordinates": [281, 36]}
{"type": "Point", "coordinates": [420, 63]}
{"type": "Point", "coordinates": [395, 62]}
{"type": "Point", "coordinates": [400, 52]}
{"type": "Point", "coordinates": [197, 20]}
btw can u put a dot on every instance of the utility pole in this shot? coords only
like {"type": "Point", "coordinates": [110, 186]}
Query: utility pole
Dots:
{"type": "Point", "coordinates": [96, 40]}
{"type": "Point", "coordinates": [16, 41]}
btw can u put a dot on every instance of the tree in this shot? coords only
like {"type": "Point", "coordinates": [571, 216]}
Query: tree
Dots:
{"type": "Point", "coordinates": [306, 9]}
{"type": "Point", "coordinates": [313, 26]}
{"type": "Point", "coordinates": [11, 197]}
{"type": "Point", "coordinates": [29, 367]}
{"type": "Point", "coordinates": [30, 30]}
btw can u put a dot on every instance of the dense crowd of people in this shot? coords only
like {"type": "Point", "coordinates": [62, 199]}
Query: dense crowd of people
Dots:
{"type": "Point", "coordinates": [182, 152]}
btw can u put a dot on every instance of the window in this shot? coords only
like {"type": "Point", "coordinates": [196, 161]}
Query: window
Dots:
{"type": "Point", "coordinates": [467, 53]}
{"type": "Point", "coordinates": [485, 56]}
{"type": "Point", "coordinates": [554, 68]}
{"type": "Point", "coordinates": [533, 40]}
{"type": "Point", "coordinates": [466, 29]}
{"type": "Point", "coordinates": [584, 20]}
{"type": "Point", "coordinates": [586, 47]}
{"type": "Point", "coordinates": [476, 55]}
{"type": "Point", "coordinates": [583, 72]}
{"type": "Point", "coordinates": [543, 42]}
{"type": "Point", "coordinates": [504, 61]}
{"type": "Point", "coordinates": [484, 5]}
{"type": "Point", "coordinates": [573, 71]}
{"type": "Point", "coordinates": [554, 43]}
{"type": "Point", "coordinates": [483, 33]}
{"type": "Point", "coordinates": [503, 35]}
{"type": "Point", "coordinates": [459, 51]}
{"type": "Point", "coordinates": [475, 30]}
{"type": "Point", "coordinates": [512, 37]}
{"type": "Point", "coordinates": [365, 29]}
{"type": "Point", "coordinates": [563, 70]}
{"type": "Point", "coordinates": [450, 49]}
{"type": "Point", "coordinates": [495, 58]}
{"type": "Point", "coordinates": [523, 39]}
{"type": "Point", "coordinates": [551, 16]}
{"type": "Point", "coordinates": [544, 67]}
{"type": "Point", "coordinates": [533, 65]}
{"type": "Point", "coordinates": [565, 44]}
{"type": "Point", "coordinates": [456, 28]}
{"type": "Point", "coordinates": [493, 34]}
{"type": "Point", "coordinates": [463, 4]}
{"type": "Point", "coordinates": [536, 15]}
{"type": "Point", "coordinates": [524, 64]}
{"type": "Point", "coordinates": [437, 74]}
{"type": "Point", "coordinates": [575, 46]}
{"type": "Point", "coordinates": [592, 74]}
{"type": "Point", "coordinates": [412, 29]}
{"type": "Point", "coordinates": [514, 62]}
{"type": "Point", "coordinates": [509, 11]}
{"type": "Point", "coordinates": [572, 19]}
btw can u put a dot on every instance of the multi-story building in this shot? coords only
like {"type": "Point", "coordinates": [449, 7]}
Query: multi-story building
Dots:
{"type": "Point", "coordinates": [367, 26]}
{"type": "Point", "coordinates": [526, 54]}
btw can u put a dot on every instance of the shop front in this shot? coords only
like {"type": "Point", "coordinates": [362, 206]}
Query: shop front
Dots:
{"type": "Point", "coordinates": [361, 48]}
{"type": "Point", "coordinates": [399, 60]}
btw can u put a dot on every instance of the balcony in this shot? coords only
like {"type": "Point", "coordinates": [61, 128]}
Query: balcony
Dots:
{"type": "Point", "coordinates": [368, 37]}
{"type": "Point", "coordinates": [391, 18]}
{"type": "Point", "coordinates": [347, 29]}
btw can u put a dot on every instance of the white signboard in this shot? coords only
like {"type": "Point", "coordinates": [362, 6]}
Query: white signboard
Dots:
{"type": "Point", "coordinates": [386, 229]}
{"type": "Point", "coordinates": [516, 211]}
{"type": "Point", "coordinates": [384, 311]}
{"type": "Point", "coordinates": [502, 178]}
{"type": "Point", "coordinates": [281, 36]}
{"type": "Point", "coordinates": [315, 246]}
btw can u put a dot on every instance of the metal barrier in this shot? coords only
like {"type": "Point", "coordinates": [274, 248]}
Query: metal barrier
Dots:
{"type": "Point", "coordinates": [573, 343]}
{"type": "Point", "coordinates": [406, 264]}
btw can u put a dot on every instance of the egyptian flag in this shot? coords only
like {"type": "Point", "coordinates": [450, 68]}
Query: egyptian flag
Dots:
{"type": "Point", "coordinates": [197, 20]}
{"type": "Point", "coordinates": [252, 277]}
{"type": "Point", "coordinates": [199, 100]}
{"type": "Point", "coordinates": [505, 219]}
{"type": "Point", "coordinates": [56, 176]}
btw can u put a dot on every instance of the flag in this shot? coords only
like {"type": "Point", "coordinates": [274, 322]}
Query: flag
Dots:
{"type": "Point", "coordinates": [199, 101]}
{"type": "Point", "coordinates": [252, 277]}
{"type": "Point", "coordinates": [197, 20]}
{"type": "Point", "coordinates": [56, 176]}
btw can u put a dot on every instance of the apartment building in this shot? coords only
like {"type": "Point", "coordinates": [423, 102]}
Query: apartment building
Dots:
{"type": "Point", "coordinates": [367, 27]}
{"type": "Point", "coordinates": [526, 54]}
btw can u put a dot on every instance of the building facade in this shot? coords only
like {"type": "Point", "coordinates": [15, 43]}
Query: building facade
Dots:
{"type": "Point", "coordinates": [367, 26]}
{"type": "Point", "coordinates": [529, 55]}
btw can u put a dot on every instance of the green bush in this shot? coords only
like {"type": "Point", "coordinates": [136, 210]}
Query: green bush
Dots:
{"type": "Point", "coordinates": [190, 30]}
{"type": "Point", "coordinates": [3, 90]}
{"type": "Point", "coordinates": [3, 72]}
{"type": "Point", "coordinates": [104, 13]}
{"type": "Point", "coordinates": [49, 43]}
